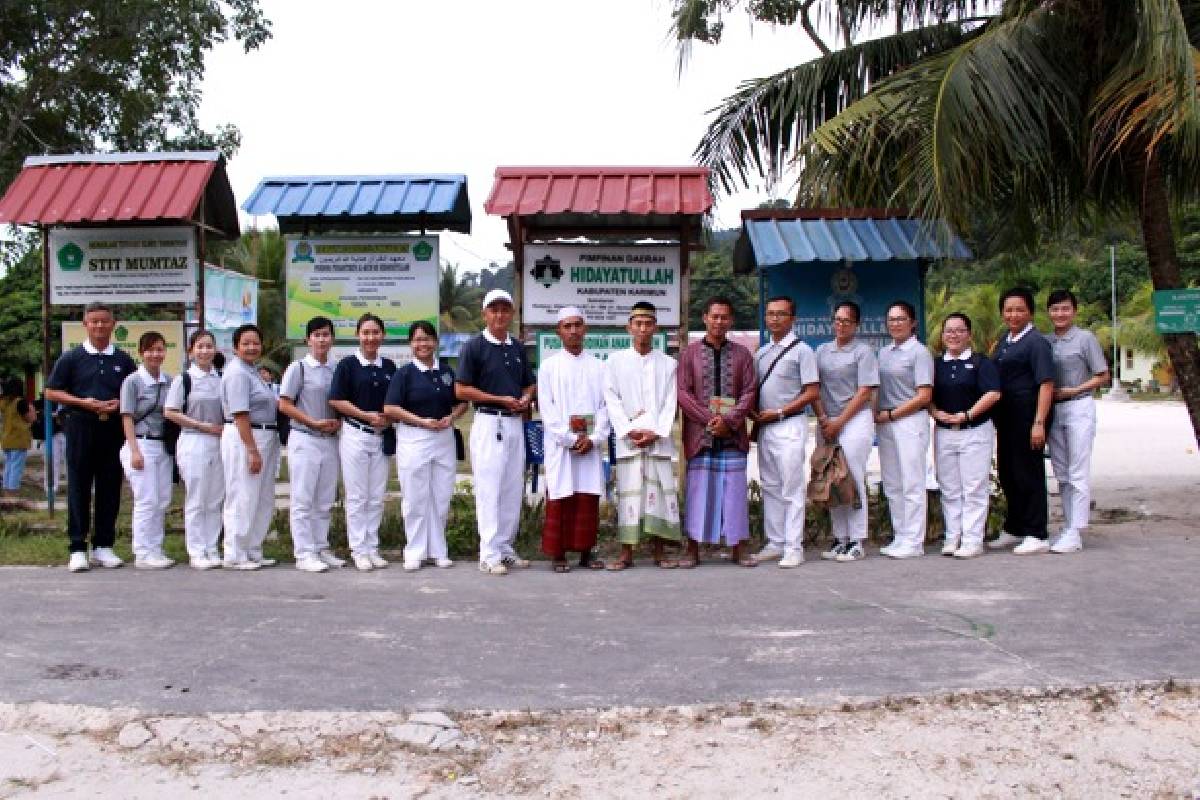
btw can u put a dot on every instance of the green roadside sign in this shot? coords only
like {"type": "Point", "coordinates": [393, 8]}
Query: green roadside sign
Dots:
{"type": "Point", "coordinates": [1177, 311]}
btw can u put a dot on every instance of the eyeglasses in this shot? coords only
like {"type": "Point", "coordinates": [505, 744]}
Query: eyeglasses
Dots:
{"type": "Point", "coordinates": [955, 331]}
{"type": "Point", "coordinates": [898, 319]}
{"type": "Point", "coordinates": [844, 321]}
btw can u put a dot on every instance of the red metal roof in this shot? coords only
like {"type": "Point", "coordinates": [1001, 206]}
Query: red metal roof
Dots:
{"type": "Point", "coordinates": [122, 188]}
{"type": "Point", "coordinates": [658, 191]}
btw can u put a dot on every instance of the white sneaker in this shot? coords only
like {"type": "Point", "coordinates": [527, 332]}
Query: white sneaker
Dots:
{"type": "Point", "coordinates": [791, 559]}
{"type": "Point", "coordinates": [203, 563]}
{"type": "Point", "coordinates": [1068, 542]}
{"type": "Point", "coordinates": [444, 563]}
{"type": "Point", "coordinates": [377, 561]}
{"type": "Point", "coordinates": [363, 562]}
{"type": "Point", "coordinates": [769, 553]}
{"type": "Point", "coordinates": [514, 561]}
{"type": "Point", "coordinates": [264, 562]}
{"type": "Point", "coordinates": [888, 549]}
{"type": "Point", "coordinates": [105, 557]}
{"type": "Point", "coordinates": [853, 551]}
{"type": "Point", "coordinates": [835, 550]}
{"type": "Point", "coordinates": [968, 551]}
{"type": "Point", "coordinates": [311, 564]}
{"type": "Point", "coordinates": [329, 558]}
{"type": "Point", "coordinates": [492, 569]}
{"type": "Point", "coordinates": [412, 566]}
{"type": "Point", "coordinates": [1031, 546]}
{"type": "Point", "coordinates": [1004, 541]}
{"type": "Point", "coordinates": [78, 562]}
{"type": "Point", "coordinates": [950, 546]}
{"type": "Point", "coordinates": [897, 551]}
{"type": "Point", "coordinates": [155, 561]}
{"type": "Point", "coordinates": [215, 558]}
{"type": "Point", "coordinates": [243, 566]}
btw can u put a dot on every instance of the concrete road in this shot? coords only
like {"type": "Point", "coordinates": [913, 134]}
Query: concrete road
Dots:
{"type": "Point", "coordinates": [180, 641]}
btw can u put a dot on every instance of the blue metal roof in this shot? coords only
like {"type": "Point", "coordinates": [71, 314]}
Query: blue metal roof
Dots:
{"type": "Point", "coordinates": [779, 241]}
{"type": "Point", "coordinates": [364, 203]}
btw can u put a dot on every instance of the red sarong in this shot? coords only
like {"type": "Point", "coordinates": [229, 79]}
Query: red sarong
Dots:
{"type": "Point", "coordinates": [571, 524]}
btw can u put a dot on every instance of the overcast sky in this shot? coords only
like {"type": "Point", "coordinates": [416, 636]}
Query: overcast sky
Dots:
{"type": "Point", "coordinates": [381, 87]}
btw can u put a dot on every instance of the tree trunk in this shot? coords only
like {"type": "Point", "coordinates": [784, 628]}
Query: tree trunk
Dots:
{"type": "Point", "coordinates": [1154, 213]}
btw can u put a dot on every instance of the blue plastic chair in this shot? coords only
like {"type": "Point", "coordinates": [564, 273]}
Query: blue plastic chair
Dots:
{"type": "Point", "coordinates": [535, 449]}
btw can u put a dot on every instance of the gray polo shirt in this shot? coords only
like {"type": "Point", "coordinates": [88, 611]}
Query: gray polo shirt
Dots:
{"type": "Point", "coordinates": [795, 370]}
{"type": "Point", "coordinates": [204, 399]}
{"type": "Point", "coordinates": [902, 368]}
{"type": "Point", "coordinates": [142, 397]}
{"type": "Point", "coordinates": [842, 371]}
{"type": "Point", "coordinates": [306, 383]}
{"type": "Point", "coordinates": [242, 390]}
{"type": "Point", "coordinates": [1077, 357]}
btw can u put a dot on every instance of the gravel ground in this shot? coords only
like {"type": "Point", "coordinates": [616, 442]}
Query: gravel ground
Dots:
{"type": "Point", "coordinates": [1136, 742]}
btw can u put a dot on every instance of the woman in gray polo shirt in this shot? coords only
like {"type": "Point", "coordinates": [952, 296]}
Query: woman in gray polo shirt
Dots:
{"type": "Point", "coordinates": [1079, 369]}
{"type": "Point", "coordinates": [194, 404]}
{"type": "Point", "coordinates": [144, 457]}
{"type": "Point", "coordinates": [249, 451]}
{"type": "Point", "coordinates": [849, 374]}
{"type": "Point", "coordinates": [905, 389]}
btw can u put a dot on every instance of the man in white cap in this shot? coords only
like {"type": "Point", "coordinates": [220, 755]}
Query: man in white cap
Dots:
{"type": "Point", "coordinates": [494, 375]}
{"type": "Point", "coordinates": [571, 399]}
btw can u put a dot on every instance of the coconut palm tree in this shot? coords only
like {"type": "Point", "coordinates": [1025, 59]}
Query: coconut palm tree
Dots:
{"type": "Point", "coordinates": [1047, 111]}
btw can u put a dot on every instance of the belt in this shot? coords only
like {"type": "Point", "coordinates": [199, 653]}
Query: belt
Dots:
{"type": "Point", "coordinates": [362, 426]}
{"type": "Point", "coordinates": [962, 426]}
{"type": "Point", "coordinates": [496, 412]}
{"type": "Point", "coordinates": [148, 436]}
{"type": "Point", "coordinates": [1073, 399]}
{"type": "Point", "coordinates": [258, 426]}
{"type": "Point", "coordinates": [313, 433]}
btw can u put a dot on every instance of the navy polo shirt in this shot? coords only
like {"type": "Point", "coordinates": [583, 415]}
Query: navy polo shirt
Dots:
{"type": "Point", "coordinates": [958, 383]}
{"type": "Point", "coordinates": [86, 372]}
{"type": "Point", "coordinates": [365, 384]}
{"type": "Point", "coordinates": [428, 393]}
{"type": "Point", "coordinates": [1025, 364]}
{"type": "Point", "coordinates": [495, 367]}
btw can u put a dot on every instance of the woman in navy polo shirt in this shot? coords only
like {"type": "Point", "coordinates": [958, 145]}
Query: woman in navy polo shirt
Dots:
{"type": "Point", "coordinates": [965, 387]}
{"type": "Point", "coordinates": [1025, 361]}
{"type": "Point", "coordinates": [421, 399]}
{"type": "Point", "coordinates": [359, 387]}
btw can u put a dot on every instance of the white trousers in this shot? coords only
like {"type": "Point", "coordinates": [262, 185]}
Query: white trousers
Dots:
{"type": "Point", "coordinates": [857, 438]}
{"type": "Point", "coordinates": [365, 474]}
{"type": "Point", "coordinates": [426, 465]}
{"type": "Point", "coordinates": [903, 450]}
{"type": "Point", "coordinates": [151, 487]}
{"type": "Point", "coordinates": [198, 456]}
{"type": "Point", "coordinates": [498, 470]}
{"type": "Point", "coordinates": [964, 470]}
{"type": "Point", "coordinates": [313, 463]}
{"type": "Point", "coordinates": [249, 499]}
{"type": "Point", "coordinates": [784, 476]}
{"type": "Point", "coordinates": [1072, 432]}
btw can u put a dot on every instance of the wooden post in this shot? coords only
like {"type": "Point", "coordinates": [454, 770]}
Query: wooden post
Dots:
{"type": "Point", "coordinates": [202, 248]}
{"type": "Point", "coordinates": [48, 450]}
{"type": "Point", "coordinates": [685, 285]}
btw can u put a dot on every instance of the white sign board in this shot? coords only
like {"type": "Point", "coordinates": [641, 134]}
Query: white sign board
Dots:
{"type": "Point", "coordinates": [601, 344]}
{"type": "Point", "coordinates": [602, 280]}
{"type": "Point", "coordinates": [393, 277]}
{"type": "Point", "coordinates": [122, 265]}
{"type": "Point", "coordinates": [400, 353]}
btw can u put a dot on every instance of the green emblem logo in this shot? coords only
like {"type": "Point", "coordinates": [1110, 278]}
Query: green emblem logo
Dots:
{"type": "Point", "coordinates": [121, 333]}
{"type": "Point", "coordinates": [70, 257]}
{"type": "Point", "coordinates": [423, 251]}
{"type": "Point", "coordinates": [303, 252]}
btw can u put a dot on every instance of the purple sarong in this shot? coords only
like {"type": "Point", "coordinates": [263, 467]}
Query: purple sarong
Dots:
{"type": "Point", "coordinates": [716, 497]}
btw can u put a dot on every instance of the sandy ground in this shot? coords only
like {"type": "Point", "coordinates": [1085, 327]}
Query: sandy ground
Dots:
{"type": "Point", "coordinates": [1103, 742]}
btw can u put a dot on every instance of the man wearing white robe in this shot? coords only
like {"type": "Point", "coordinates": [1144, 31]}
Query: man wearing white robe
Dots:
{"type": "Point", "coordinates": [571, 399]}
{"type": "Point", "coordinates": [641, 393]}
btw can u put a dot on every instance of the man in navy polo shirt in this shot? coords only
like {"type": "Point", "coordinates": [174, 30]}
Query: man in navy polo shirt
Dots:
{"type": "Point", "coordinates": [494, 374]}
{"type": "Point", "coordinates": [86, 380]}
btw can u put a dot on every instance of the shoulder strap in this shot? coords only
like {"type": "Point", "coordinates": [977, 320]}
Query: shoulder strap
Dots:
{"type": "Point", "coordinates": [779, 357]}
{"type": "Point", "coordinates": [157, 399]}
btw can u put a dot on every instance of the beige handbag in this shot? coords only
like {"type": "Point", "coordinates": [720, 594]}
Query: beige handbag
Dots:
{"type": "Point", "coordinates": [830, 483]}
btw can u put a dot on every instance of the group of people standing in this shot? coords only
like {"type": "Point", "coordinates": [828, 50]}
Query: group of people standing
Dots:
{"type": "Point", "coordinates": [347, 419]}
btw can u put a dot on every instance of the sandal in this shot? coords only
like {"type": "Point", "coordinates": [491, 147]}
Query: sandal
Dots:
{"type": "Point", "coordinates": [687, 562]}
{"type": "Point", "coordinates": [748, 561]}
{"type": "Point", "coordinates": [666, 563]}
{"type": "Point", "coordinates": [619, 565]}
{"type": "Point", "coordinates": [561, 567]}
{"type": "Point", "coordinates": [593, 563]}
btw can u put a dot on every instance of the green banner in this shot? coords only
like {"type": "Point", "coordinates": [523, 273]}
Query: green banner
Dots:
{"type": "Point", "coordinates": [1177, 311]}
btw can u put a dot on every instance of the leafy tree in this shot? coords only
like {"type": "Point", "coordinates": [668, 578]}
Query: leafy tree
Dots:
{"type": "Point", "coordinates": [458, 301]}
{"type": "Point", "coordinates": [88, 75]}
{"type": "Point", "coordinates": [261, 253]}
{"type": "Point", "coordinates": [1044, 111]}
{"type": "Point", "coordinates": [711, 274]}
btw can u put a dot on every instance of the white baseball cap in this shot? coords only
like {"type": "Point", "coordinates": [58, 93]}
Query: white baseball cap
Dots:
{"type": "Point", "coordinates": [497, 294]}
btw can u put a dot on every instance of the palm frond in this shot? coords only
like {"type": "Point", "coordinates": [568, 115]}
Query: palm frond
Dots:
{"type": "Point", "coordinates": [757, 129]}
